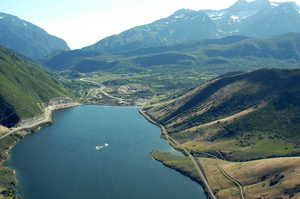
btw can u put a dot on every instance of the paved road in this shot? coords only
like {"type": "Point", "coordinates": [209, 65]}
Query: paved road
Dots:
{"type": "Point", "coordinates": [121, 100]}
{"type": "Point", "coordinates": [193, 159]}
{"type": "Point", "coordinates": [102, 89]}
{"type": "Point", "coordinates": [47, 118]}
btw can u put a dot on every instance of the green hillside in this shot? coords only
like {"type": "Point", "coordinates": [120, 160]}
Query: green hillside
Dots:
{"type": "Point", "coordinates": [282, 47]}
{"type": "Point", "coordinates": [217, 55]}
{"type": "Point", "coordinates": [245, 116]}
{"type": "Point", "coordinates": [24, 84]}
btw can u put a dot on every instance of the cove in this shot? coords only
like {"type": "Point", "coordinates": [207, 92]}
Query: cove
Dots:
{"type": "Point", "coordinates": [61, 161]}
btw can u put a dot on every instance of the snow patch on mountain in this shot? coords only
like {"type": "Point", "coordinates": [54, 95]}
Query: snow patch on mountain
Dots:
{"type": "Point", "coordinates": [216, 15]}
{"type": "Point", "coordinates": [179, 16]}
{"type": "Point", "coordinates": [235, 18]}
{"type": "Point", "coordinates": [2, 16]}
{"type": "Point", "coordinates": [273, 4]}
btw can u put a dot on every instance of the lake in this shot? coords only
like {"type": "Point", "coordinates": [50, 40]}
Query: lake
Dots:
{"type": "Point", "coordinates": [61, 161]}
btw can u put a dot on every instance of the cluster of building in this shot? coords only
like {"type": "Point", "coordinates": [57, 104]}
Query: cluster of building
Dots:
{"type": "Point", "coordinates": [51, 102]}
{"type": "Point", "coordinates": [59, 100]}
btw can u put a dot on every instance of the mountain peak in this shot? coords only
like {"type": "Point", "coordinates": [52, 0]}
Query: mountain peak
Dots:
{"type": "Point", "coordinates": [289, 5]}
{"type": "Point", "coordinates": [34, 42]}
{"type": "Point", "coordinates": [183, 11]}
{"type": "Point", "coordinates": [256, 18]}
{"type": "Point", "coordinates": [250, 5]}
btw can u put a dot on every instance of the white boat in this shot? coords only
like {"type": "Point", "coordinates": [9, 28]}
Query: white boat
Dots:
{"type": "Point", "coordinates": [99, 147]}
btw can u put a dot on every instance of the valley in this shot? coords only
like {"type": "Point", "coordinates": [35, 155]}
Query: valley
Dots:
{"type": "Point", "coordinates": [136, 88]}
{"type": "Point", "coordinates": [223, 86]}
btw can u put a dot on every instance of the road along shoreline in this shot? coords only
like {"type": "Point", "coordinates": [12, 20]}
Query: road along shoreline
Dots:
{"type": "Point", "coordinates": [16, 134]}
{"type": "Point", "coordinates": [47, 118]}
{"type": "Point", "coordinates": [208, 190]}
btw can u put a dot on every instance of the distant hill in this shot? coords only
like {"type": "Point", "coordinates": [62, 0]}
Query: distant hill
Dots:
{"type": "Point", "coordinates": [282, 47]}
{"type": "Point", "coordinates": [28, 39]}
{"type": "Point", "coordinates": [220, 55]}
{"type": "Point", "coordinates": [245, 116]}
{"type": "Point", "coordinates": [24, 85]}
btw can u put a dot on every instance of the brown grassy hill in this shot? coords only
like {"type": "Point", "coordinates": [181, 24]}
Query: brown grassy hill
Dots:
{"type": "Point", "coordinates": [245, 116]}
{"type": "Point", "coordinates": [274, 178]}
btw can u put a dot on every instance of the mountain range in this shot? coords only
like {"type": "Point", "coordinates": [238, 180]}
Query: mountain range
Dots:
{"type": "Point", "coordinates": [247, 33]}
{"type": "Point", "coordinates": [259, 18]}
{"type": "Point", "coordinates": [28, 39]}
{"type": "Point", "coordinates": [220, 55]}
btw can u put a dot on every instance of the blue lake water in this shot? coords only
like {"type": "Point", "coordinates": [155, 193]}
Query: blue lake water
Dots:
{"type": "Point", "coordinates": [61, 161]}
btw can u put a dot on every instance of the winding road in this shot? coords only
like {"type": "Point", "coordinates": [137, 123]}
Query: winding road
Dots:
{"type": "Point", "coordinates": [102, 89]}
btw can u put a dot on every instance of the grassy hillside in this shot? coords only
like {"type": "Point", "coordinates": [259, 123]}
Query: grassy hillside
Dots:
{"type": "Point", "coordinates": [24, 85]}
{"type": "Point", "coordinates": [218, 55]}
{"type": "Point", "coordinates": [280, 47]}
{"type": "Point", "coordinates": [245, 116]}
{"type": "Point", "coordinates": [268, 178]}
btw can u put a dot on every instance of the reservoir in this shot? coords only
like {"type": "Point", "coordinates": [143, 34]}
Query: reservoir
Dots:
{"type": "Point", "coordinates": [62, 162]}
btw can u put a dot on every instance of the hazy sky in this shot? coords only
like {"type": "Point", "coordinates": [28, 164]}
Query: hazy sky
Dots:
{"type": "Point", "coordinates": [84, 22]}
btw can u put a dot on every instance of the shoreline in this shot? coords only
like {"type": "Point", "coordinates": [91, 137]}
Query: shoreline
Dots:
{"type": "Point", "coordinates": [20, 133]}
{"type": "Point", "coordinates": [48, 112]}
{"type": "Point", "coordinates": [242, 186]}
{"type": "Point", "coordinates": [196, 180]}
{"type": "Point", "coordinates": [203, 182]}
